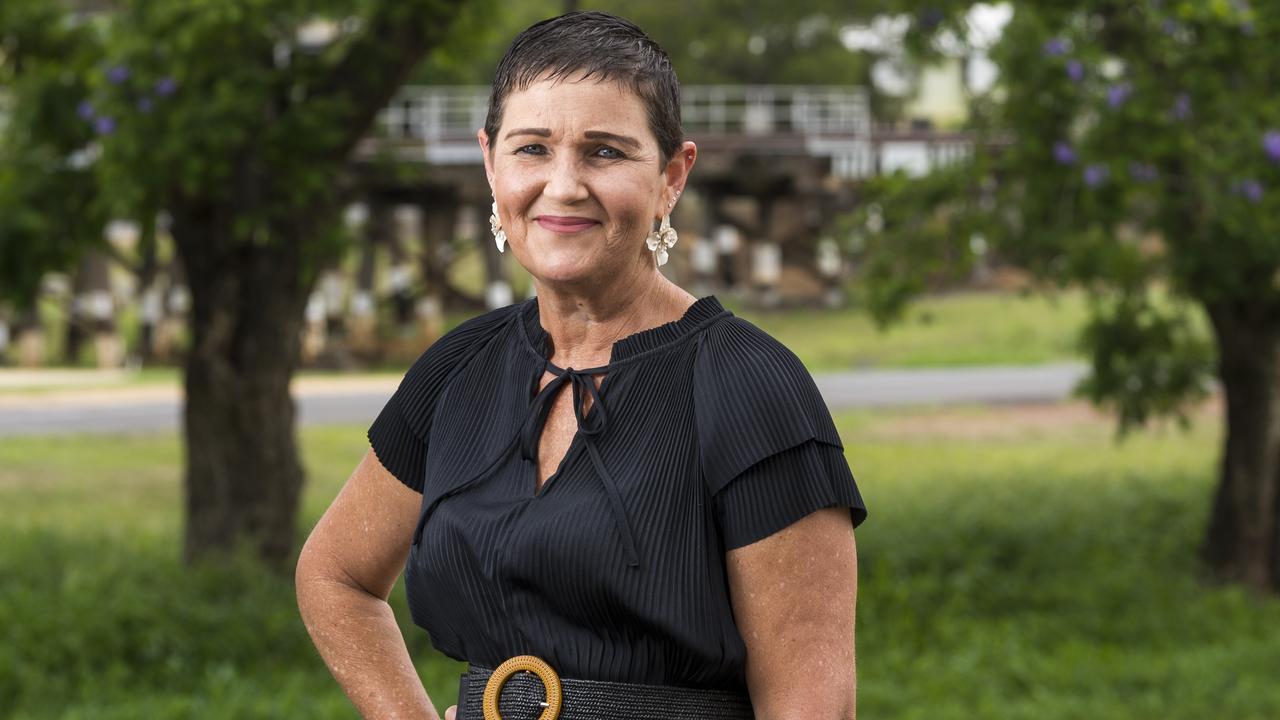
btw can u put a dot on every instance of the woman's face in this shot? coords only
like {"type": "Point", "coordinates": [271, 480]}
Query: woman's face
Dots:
{"type": "Point", "coordinates": [579, 181]}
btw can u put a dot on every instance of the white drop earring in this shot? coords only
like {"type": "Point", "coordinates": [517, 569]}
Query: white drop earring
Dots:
{"type": "Point", "coordinates": [662, 240]}
{"type": "Point", "coordinates": [495, 227]}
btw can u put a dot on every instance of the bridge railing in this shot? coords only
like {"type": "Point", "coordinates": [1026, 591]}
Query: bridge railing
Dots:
{"type": "Point", "coordinates": [810, 110]}
{"type": "Point", "coordinates": [453, 113]}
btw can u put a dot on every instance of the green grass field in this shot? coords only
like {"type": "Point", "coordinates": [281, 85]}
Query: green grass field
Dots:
{"type": "Point", "coordinates": [970, 328]}
{"type": "Point", "coordinates": [1016, 564]}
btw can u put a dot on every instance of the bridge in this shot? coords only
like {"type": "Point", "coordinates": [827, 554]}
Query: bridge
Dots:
{"type": "Point", "coordinates": [775, 165]}
{"type": "Point", "coordinates": [437, 126]}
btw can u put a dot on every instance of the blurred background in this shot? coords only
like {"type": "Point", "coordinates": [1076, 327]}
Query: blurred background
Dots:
{"type": "Point", "coordinates": [1030, 251]}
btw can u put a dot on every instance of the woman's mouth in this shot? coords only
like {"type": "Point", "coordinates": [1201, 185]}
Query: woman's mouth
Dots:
{"type": "Point", "coordinates": [565, 224]}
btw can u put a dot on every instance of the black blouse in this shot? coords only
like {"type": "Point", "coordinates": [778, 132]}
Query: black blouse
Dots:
{"type": "Point", "coordinates": [705, 435]}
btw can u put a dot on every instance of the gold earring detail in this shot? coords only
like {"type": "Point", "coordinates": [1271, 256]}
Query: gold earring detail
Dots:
{"type": "Point", "coordinates": [495, 227]}
{"type": "Point", "coordinates": [662, 240]}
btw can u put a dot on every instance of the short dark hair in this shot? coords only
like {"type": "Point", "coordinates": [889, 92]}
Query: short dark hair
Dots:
{"type": "Point", "coordinates": [597, 45]}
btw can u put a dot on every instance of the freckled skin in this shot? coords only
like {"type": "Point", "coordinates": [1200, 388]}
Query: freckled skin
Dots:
{"type": "Point", "coordinates": [794, 595]}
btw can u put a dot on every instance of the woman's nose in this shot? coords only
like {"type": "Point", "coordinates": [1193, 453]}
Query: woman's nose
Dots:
{"type": "Point", "coordinates": [565, 182]}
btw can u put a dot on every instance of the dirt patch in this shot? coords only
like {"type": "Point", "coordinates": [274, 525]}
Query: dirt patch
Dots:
{"type": "Point", "coordinates": [1016, 420]}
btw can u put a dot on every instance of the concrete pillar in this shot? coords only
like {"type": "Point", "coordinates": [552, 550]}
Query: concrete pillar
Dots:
{"type": "Point", "coordinates": [333, 289]}
{"type": "Point", "coordinates": [766, 257]}
{"type": "Point", "coordinates": [439, 221]}
{"type": "Point", "coordinates": [830, 266]}
{"type": "Point", "coordinates": [4, 338]}
{"type": "Point", "coordinates": [92, 317]}
{"type": "Point", "coordinates": [362, 317]}
{"type": "Point", "coordinates": [766, 271]}
{"type": "Point", "coordinates": [30, 338]}
{"type": "Point", "coordinates": [727, 242]}
{"type": "Point", "coordinates": [313, 329]}
{"type": "Point", "coordinates": [175, 303]}
{"type": "Point", "coordinates": [400, 274]}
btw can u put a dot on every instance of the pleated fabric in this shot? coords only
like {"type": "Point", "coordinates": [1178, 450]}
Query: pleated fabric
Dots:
{"type": "Point", "coordinates": [706, 435]}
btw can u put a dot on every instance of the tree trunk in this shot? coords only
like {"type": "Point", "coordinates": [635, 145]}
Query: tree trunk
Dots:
{"type": "Point", "coordinates": [1243, 542]}
{"type": "Point", "coordinates": [243, 474]}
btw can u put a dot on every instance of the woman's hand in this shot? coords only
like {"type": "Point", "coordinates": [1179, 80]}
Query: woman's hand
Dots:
{"type": "Point", "coordinates": [451, 713]}
{"type": "Point", "coordinates": [345, 572]}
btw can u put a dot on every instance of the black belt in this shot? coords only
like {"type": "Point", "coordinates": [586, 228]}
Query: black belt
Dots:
{"type": "Point", "coordinates": [521, 694]}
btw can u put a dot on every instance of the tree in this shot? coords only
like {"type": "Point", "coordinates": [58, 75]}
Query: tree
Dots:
{"type": "Point", "coordinates": [766, 43]}
{"type": "Point", "coordinates": [1141, 162]}
{"type": "Point", "coordinates": [49, 206]}
{"type": "Point", "coordinates": [238, 118]}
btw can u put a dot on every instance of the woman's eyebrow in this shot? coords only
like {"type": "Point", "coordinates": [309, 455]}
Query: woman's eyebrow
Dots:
{"type": "Point", "coordinates": [619, 139]}
{"type": "Point", "coordinates": [540, 132]}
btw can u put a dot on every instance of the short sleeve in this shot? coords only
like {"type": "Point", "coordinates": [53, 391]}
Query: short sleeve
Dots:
{"type": "Point", "coordinates": [770, 453]}
{"type": "Point", "coordinates": [399, 434]}
{"type": "Point", "coordinates": [784, 488]}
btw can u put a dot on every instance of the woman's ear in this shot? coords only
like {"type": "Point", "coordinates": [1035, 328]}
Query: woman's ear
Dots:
{"type": "Point", "coordinates": [677, 170]}
{"type": "Point", "coordinates": [483, 137]}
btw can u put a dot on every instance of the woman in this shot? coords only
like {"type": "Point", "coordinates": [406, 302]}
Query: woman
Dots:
{"type": "Point", "coordinates": [671, 534]}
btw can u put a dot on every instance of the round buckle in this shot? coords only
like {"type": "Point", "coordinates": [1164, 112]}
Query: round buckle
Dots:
{"type": "Point", "coordinates": [525, 663]}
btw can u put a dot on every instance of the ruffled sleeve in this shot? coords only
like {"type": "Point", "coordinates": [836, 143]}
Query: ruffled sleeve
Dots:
{"type": "Point", "coordinates": [399, 434]}
{"type": "Point", "coordinates": [770, 453]}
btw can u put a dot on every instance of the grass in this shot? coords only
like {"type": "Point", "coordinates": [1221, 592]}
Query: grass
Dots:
{"type": "Point", "coordinates": [969, 328]}
{"type": "Point", "coordinates": [1012, 567]}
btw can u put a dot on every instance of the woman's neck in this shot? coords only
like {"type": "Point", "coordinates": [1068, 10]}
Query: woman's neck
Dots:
{"type": "Point", "coordinates": [584, 325]}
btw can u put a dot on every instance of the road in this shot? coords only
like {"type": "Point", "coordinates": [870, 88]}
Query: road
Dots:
{"type": "Point", "coordinates": [357, 400]}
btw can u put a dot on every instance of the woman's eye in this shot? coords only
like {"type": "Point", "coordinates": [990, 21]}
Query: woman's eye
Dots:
{"type": "Point", "coordinates": [609, 153]}
{"type": "Point", "coordinates": [530, 149]}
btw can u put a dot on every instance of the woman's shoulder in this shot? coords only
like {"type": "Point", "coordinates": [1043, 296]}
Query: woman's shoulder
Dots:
{"type": "Point", "coordinates": [753, 398]}
{"type": "Point", "coordinates": [468, 336]}
{"type": "Point", "coordinates": [481, 326]}
{"type": "Point", "coordinates": [736, 350]}
{"type": "Point", "coordinates": [444, 357]}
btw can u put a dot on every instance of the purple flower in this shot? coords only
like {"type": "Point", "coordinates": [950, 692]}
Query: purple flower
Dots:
{"type": "Point", "coordinates": [166, 86]}
{"type": "Point", "coordinates": [930, 18]}
{"type": "Point", "coordinates": [1250, 189]}
{"type": "Point", "coordinates": [1143, 172]}
{"type": "Point", "coordinates": [145, 105]}
{"type": "Point", "coordinates": [1182, 106]}
{"type": "Point", "coordinates": [1064, 153]}
{"type": "Point", "coordinates": [1075, 70]}
{"type": "Point", "coordinates": [85, 110]}
{"type": "Point", "coordinates": [1095, 175]}
{"type": "Point", "coordinates": [1117, 94]}
{"type": "Point", "coordinates": [1271, 143]}
{"type": "Point", "coordinates": [1056, 47]}
{"type": "Point", "coordinates": [104, 125]}
{"type": "Point", "coordinates": [117, 74]}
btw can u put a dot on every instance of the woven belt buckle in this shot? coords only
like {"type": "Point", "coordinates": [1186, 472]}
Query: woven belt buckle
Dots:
{"type": "Point", "coordinates": [523, 663]}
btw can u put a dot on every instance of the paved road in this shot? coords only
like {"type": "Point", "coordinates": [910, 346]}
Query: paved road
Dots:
{"type": "Point", "coordinates": [336, 401]}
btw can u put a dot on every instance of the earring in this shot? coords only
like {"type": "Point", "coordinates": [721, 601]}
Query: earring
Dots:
{"type": "Point", "coordinates": [495, 227]}
{"type": "Point", "coordinates": [662, 240]}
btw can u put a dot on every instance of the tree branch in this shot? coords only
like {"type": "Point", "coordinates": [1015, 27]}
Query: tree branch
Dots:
{"type": "Point", "coordinates": [397, 37]}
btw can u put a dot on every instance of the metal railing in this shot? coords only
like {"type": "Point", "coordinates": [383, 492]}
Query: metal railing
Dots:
{"type": "Point", "coordinates": [443, 113]}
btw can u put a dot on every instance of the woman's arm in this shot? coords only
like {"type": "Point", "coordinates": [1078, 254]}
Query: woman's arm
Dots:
{"type": "Point", "coordinates": [794, 594]}
{"type": "Point", "coordinates": [345, 573]}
